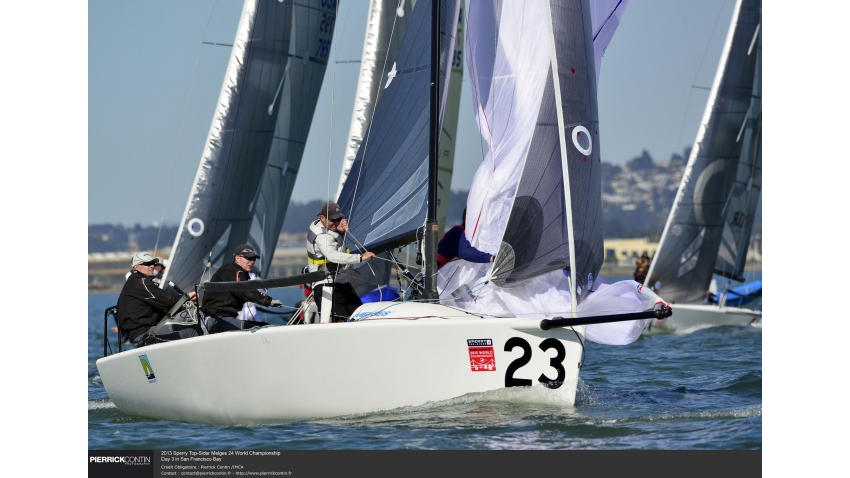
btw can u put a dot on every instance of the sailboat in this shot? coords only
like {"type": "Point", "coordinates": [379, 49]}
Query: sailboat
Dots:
{"type": "Point", "coordinates": [253, 151]}
{"type": "Point", "coordinates": [709, 227]}
{"type": "Point", "coordinates": [395, 354]}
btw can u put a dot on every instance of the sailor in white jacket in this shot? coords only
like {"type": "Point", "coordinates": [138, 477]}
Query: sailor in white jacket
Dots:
{"type": "Point", "coordinates": [326, 251]}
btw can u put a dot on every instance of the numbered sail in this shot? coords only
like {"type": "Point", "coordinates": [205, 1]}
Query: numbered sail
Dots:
{"type": "Point", "coordinates": [448, 133]}
{"type": "Point", "coordinates": [740, 208]}
{"type": "Point", "coordinates": [385, 194]}
{"type": "Point", "coordinates": [298, 89]}
{"type": "Point", "coordinates": [229, 194]}
{"type": "Point", "coordinates": [722, 180]}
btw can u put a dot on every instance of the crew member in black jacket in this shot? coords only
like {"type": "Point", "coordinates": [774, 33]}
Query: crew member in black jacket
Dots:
{"type": "Point", "coordinates": [222, 308]}
{"type": "Point", "coordinates": [142, 304]}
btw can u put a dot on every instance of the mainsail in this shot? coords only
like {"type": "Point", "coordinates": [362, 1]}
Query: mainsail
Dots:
{"type": "Point", "coordinates": [711, 220]}
{"type": "Point", "coordinates": [385, 194]}
{"type": "Point", "coordinates": [257, 135]}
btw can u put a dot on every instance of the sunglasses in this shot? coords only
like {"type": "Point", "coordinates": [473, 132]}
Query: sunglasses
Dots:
{"type": "Point", "coordinates": [337, 220]}
{"type": "Point", "coordinates": [148, 264]}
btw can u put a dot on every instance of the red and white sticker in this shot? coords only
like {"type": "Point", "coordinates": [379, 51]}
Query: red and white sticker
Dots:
{"type": "Point", "coordinates": [482, 359]}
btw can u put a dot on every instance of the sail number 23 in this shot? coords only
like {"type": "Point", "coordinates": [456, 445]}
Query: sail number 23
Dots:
{"type": "Point", "coordinates": [554, 362]}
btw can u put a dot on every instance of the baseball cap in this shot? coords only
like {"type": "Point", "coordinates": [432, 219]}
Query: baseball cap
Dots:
{"type": "Point", "coordinates": [331, 211]}
{"type": "Point", "coordinates": [246, 251]}
{"type": "Point", "coordinates": [143, 257]}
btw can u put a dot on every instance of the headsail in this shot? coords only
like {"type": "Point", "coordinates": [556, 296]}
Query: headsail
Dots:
{"type": "Point", "coordinates": [385, 194]}
{"type": "Point", "coordinates": [564, 121]}
{"type": "Point", "coordinates": [223, 201]}
{"type": "Point", "coordinates": [722, 181]}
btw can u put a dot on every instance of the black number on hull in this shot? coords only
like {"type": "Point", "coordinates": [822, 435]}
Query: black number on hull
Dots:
{"type": "Point", "coordinates": [554, 362]}
{"type": "Point", "coordinates": [510, 381]}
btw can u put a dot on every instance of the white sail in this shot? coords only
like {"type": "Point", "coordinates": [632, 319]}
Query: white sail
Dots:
{"type": "Point", "coordinates": [448, 134]}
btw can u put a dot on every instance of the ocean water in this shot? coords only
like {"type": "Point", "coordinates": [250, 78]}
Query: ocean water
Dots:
{"type": "Point", "coordinates": [694, 391]}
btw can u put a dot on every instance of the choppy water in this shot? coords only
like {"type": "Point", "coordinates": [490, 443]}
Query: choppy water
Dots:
{"type": "Point", "coordinates": [701, 390]}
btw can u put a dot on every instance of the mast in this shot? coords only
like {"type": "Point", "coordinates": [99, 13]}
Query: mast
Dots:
{"type": "Point", "coordinates": [431, 225]}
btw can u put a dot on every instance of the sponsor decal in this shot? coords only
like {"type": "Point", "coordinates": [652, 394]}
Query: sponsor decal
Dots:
{"type": "Point", "coordinates": [146, 366]}
{"type": "Point", "coordinates": [363, 315]}
{"type": "Point", "coordinates": [639, 288]}
{"type": "Point", "coordinates": [482, 357]}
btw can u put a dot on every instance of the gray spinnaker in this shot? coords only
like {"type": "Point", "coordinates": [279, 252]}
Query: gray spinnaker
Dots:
{"type": "Point", "coordinates": [713, 190]}
{"type": "Point", "coordinates": [229, 193]}
{"type": "Point", "coordinates": [385, 195]}
{"type": "Point", "coordinates": [536, 238]}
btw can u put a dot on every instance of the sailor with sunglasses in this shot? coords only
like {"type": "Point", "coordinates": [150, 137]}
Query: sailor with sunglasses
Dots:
{"type": "Point", "coordinates": [142, 304]}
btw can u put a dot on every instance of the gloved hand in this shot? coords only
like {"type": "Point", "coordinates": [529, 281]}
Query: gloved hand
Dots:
{"type": "Point", "coordinates": [276, 303]}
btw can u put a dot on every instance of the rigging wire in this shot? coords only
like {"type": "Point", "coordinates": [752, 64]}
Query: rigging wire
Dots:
{"type": "Point", "coordinates": [182, 125]}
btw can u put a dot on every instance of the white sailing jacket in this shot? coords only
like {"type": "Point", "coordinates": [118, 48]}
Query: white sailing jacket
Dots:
{"type": "Point", "coordinates": [326, 251]}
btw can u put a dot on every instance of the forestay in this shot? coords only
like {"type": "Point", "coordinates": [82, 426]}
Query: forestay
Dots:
{"type": "Point", "coordinates": [711, 220]}
{"type": "Point", "coordinates": [254, 146]}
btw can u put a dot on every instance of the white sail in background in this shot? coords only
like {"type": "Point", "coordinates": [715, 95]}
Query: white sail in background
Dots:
{"type": "Point", "coordinates": [448, 134]}
{"type": "Point", "coordinates": [257, 136]}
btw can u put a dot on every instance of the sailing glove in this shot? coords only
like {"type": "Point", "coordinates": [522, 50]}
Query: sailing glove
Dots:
{"type": "Point", "coordinates": [276, 303]}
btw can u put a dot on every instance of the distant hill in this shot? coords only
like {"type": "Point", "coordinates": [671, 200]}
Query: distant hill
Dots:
{"type": "Point", "coordinates": [636, 197]}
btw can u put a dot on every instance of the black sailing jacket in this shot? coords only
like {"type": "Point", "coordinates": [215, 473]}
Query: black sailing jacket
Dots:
{"type": "Point", "coordinates": [142, 304]}
{"type": "Point", "coordinates": [228, 304]}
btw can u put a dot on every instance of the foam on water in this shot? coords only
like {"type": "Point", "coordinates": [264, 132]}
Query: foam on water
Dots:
{"type": "Point", "coordinates": [101, 404]}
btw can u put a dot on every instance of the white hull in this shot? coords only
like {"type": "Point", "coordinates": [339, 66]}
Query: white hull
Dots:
{"type": "Point", "coordinates": [689, 317]}
{"type": "Point", "coordinates": [290, 373]}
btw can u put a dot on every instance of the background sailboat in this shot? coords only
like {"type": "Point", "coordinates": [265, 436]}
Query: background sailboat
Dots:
{"type": "Point", "coordinates": [256, 140]}
{"type": "Point", "coordinates": [709, 227]}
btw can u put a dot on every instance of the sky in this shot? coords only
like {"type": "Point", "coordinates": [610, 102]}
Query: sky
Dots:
{"type": "Point", "coordinates": [153, 86]}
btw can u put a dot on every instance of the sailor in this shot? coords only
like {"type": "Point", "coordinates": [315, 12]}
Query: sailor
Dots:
{"type": "Point", "coordinates": [455, 244]}
{"type": "Point", "coordinates": [641, 268]}
{"type": "Point", "coordinates": [221, 309]}
{"type": "Point", "coordinates": [326, 251]}
{"type": "Point", "coordinates": [249, 310]}
{"type": "Point", "coordinates": [142, 304]}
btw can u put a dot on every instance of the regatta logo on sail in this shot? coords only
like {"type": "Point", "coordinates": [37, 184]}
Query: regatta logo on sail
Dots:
{"type": "Point", "coordinates": [146, 366]}
{"type": "Point", "coordinates": [482, 357]}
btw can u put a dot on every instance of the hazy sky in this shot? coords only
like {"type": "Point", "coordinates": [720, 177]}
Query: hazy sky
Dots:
{"type": "Point", "coordinates": [152, 90]}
